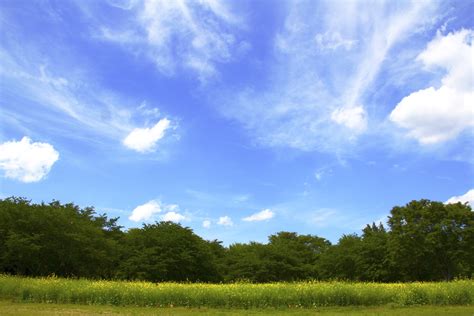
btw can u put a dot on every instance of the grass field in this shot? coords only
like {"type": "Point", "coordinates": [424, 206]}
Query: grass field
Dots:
{"type": "Point", "coordinates": [293, 296]}
{"type": "Point", "coordinates": [9, 308]}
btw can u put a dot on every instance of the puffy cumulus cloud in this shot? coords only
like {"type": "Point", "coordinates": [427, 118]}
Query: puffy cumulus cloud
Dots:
{"type": "Point", "coordinates": [467, 197]}
{"type": "Point", "coordinates": [192, 35]}
{"type": "Point", "coordinates": [225, 221]}
{"type": "Point", "coordinates": [434, 115]}
{"type": "Point", "coordinates": [147, 211]}
{"type": "Point", "coordinates": [174, 217]}
{"type": "Point", "coordinates": [260, 216]}
{"type": "Point", "coordinates": [27, 161]}
{"type": "Point", "coordinates": [206, 223]}
{"type": "Point", "coordinates": [144, 139]}
{"type": "Point", "coordinates": [354, 118]}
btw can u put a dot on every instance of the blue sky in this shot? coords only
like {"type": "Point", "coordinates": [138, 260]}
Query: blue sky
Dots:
{"type": "Point", "coordinates": [238, 119]}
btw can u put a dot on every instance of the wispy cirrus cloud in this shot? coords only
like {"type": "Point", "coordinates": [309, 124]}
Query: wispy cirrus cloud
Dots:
{"type": "Point", "coordinates": [177, 35]}
{"type": "Point", "coordinates": [322, 71]}
{"type": "Point", "coordinates": [59, 99]}
{"type": "Point", "coordinates": [48, 97]}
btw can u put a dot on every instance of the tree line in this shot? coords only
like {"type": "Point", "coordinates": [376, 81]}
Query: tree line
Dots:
{"type": "Point", "coordinates": [423, 241]}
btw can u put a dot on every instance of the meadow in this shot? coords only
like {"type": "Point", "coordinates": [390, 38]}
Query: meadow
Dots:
{"type": "Point", "coordinates": [236, 295]}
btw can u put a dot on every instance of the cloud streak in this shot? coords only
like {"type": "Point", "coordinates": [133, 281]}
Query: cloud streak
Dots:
{"type": "Point", "coordinates": [177, 35]}
{"type": "Point", "coordinates": [66, 104]}
{"type": "Point", "coordinates": [260, 216]}
{"type": "Point", "coordinates": [62, 101]}
{"type": "Point", "coordinates": [321, 71]}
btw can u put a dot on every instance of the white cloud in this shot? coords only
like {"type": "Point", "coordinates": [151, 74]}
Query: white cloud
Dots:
{"type": "Point", "coordinates": [321, 72]}
{"type": "Point", "coordinates": [145, 211]}
{"type": "Point", "coordinates": [333, 41]}
{"type": "Point", "coordinates": [192, 35]}
{"type": "Point", "coordinates": [68, 100]}
{"type": "Point", "coordinates": [354, 118]}
{"type": "Point", "coordinates": [67, 105]}
{"type": "Point", "coordinates": [49, 95]}
{"type": "Point", "coordinates": [173, 217]}
{"type": "Point", "coordinates": [322, 172]}
{"type": "Point", "coordinates": [260, 216]}
{"type": "Point", "coordinates": [148, 210]}
{"type": "Point", "coordinates": [435, 115]}
{"type": "Point", "coordinates": [467, 197]}
{"type": "Point", "coordinates": [225, 221]}
{"type": "Point", "coordinates": [206, 224]}
{"type": "Point", "coordinates": [27, 161]}
{"type": "Point", "coordinates": [122, 4]}
{"type": "Point", "coordinates": [145, 139]}
{"type": "Point", "coordinates": [324, 217]}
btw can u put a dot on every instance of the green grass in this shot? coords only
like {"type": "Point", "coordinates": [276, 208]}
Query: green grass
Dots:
{"type": "Point", "coordinates": [9, 308]}
{"type": "Point", "coordinates": [302, 295]}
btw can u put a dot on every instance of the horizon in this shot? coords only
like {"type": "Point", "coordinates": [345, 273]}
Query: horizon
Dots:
{"type": "Point", "coordinates": [238, 119]}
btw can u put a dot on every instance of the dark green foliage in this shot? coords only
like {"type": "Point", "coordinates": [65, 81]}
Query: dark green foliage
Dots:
{"type": "Point", "coordinates": [373, 264]}
{"type": "Point", "coordinates": [287, 257]}
{"type": "Point", "coordinates": [424, 240]}
{"type": "Point", "coordinates": [167, 251]}
{"type": "Point", "coordinates": [247, 262]}
{"type": "Point", "coordinates": [296, 257]}
{"type": "Point", "coordinates": [431, 240]}
{"type": "Point", "coordinates": [44, 239]}
{"type": "Point", "coordinates": [341, 261]}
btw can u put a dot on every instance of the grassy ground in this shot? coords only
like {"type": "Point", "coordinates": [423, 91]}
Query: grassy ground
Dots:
{"type": "Point", "coordinates": [10, 308]}
{"type": "Point", "coordinates": [235, 296]}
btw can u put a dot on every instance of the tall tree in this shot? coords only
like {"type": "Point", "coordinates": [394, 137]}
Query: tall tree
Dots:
{"type": "Point", "coordinates": [166, 251]}
{"type": "Point", "coordinates": [431, 240]}
{"type": "Point", "coordinates": [372, 257]}
{"type": "Point", "coordinates": [42, 239]}
{"type": "Point", "coordinates": [341, 260]}
{"type": "Point", "coordinates": [295, 257]}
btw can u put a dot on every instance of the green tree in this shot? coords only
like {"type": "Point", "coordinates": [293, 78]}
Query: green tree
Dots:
{"type": "Point", "coordinates": [431, 240]}
{"type": "Point", "coordinates": [295, 257]}
{"type": "Point", "coordinates": [341, 261]}
{"type": "Point", "coordinates": [372, 256]}
{"type": "Point", "coordinates": [42, 239]}
{"type": "Point", "coordinates": [166, 251]}
{"type": "Point", "coordinates": [247, 262]}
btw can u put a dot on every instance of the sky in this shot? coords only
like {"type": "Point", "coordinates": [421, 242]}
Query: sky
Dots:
{"type": "Point", "coordinates": [238, 119]}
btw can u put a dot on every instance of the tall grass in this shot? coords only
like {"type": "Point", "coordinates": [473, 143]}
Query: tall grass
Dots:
{"type": "Point", "coordinates": [238, 295]}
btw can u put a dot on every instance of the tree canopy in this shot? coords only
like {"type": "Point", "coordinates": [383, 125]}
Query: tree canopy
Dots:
{"type": "Point", "coordinates": [424, 240]}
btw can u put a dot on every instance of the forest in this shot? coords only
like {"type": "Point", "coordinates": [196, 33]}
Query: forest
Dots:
{"type": "Point", "coordinates": [424, 241]}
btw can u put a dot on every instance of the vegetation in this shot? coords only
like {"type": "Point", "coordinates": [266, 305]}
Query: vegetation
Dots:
{"type": "Point", "coordinates": [237, 295]}
{"type": "Point", "coordinates": [424, 241]}
{"type": "Point", "coordinates": [9, 308]}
